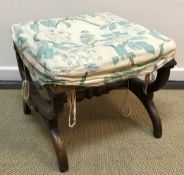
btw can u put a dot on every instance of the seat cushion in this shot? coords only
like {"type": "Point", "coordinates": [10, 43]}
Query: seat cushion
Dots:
{"type": "Point", "coordinates": [90, 50]}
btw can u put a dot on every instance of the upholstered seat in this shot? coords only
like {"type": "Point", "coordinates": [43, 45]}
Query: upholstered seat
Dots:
{"type": "Point", "coordinates": [90, 50]}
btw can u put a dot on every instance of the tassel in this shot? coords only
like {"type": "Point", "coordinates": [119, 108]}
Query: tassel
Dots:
{"type": "Point", "coordinates": [25, 90]}
{"type": "Point", "coordinates": [149, 78]}
{"type": "Point", "coordinates": [25, 86]}
{"type": "Point", "coordinates": [124, 102]}
{"type": "Point", "coordinates": [71, 101]}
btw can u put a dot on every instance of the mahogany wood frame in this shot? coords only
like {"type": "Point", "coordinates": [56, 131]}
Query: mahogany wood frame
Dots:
{"type": "Point", "coordinates": [49, 105]}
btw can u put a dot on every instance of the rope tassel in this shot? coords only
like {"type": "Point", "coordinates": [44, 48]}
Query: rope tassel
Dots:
{"type": "Point", "coordinates": [129, 113]}
{"type": "Point", "coordinates": [149, 78]}
{"type": "Point", "coordinates": [25, 90]}
{"type": "Point", "coordinates": [71, 101]}
{"type": "Point", "coordinates": [25, 86]}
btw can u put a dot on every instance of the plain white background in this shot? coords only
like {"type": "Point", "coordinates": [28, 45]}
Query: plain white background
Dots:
{"type": "Point", "coordinates": [166, 16]}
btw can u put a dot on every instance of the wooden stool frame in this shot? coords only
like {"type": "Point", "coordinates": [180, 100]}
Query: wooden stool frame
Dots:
{"type": "Point", "coordinates": [49, 104]}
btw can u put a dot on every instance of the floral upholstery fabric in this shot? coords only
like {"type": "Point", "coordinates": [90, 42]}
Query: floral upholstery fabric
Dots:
{"type": "Point", "coordinates": [90, 50]}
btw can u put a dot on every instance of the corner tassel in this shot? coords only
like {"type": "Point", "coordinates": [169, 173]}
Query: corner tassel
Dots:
{"type": "Point", "coordinates": [149, 78]}
{"type": "Point", "coordinates": [25, 90]}
{"type": "Point", "coordinates": [129, 113]}
{"type": "Point", "coordinates": [71, 101]}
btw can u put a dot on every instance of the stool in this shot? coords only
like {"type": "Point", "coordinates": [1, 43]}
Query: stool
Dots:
{"type": "Point", "coordinates": [69, 59]}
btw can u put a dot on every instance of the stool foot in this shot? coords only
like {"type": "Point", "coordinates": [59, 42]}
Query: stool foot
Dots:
{"type": "Point", "coordinates": [155, 118]}
{"type": "Point", "coordinates": [26, 108]}
{"type": "Point", "coordinates": [58, 144]}
{"type": "Point", "coordinates": [59, 149]}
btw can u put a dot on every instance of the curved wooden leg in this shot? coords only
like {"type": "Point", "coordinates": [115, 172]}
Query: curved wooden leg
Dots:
{"type": "Point", "coordinates": [58, 144]}
{"type": "Point", "coordinates": [50, 113]}
{"type": "Point", "coordinates": [136, 86]}
{"type": "Point", "coordinates": [59, 149]}
{"type": "Point", "coordinates": [154, 115]}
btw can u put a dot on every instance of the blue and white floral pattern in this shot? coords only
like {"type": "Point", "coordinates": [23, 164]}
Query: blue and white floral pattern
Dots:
{"type": "Point", "coordinates": [90, 50]}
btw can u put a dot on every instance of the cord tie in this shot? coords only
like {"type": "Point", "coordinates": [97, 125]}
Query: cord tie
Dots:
{"type": "Point", "coordinates": [71, 101]}
{"type": "Point", "coordinates": [149, 78]}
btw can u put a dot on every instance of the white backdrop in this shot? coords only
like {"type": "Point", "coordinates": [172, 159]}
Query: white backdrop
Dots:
{"type": "Point", "coordinates": [166, 16]}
